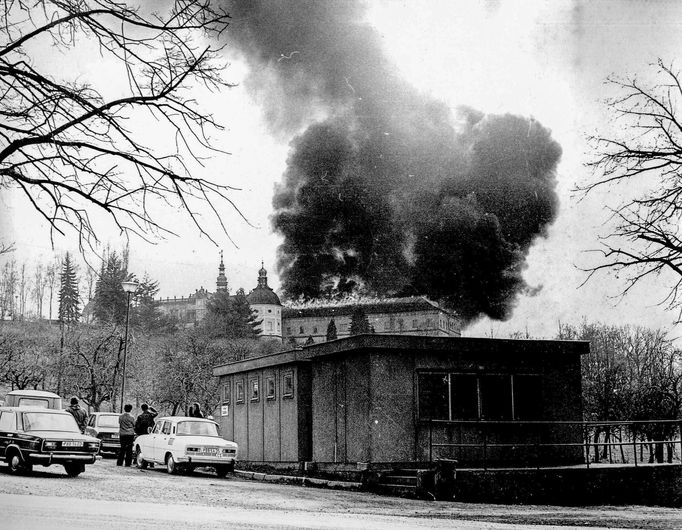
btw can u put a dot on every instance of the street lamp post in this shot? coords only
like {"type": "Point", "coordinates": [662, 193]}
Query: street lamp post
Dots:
{"type": "Point", "coordinates": [129, 288]}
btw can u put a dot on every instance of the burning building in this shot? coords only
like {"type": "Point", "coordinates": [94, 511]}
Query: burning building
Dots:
{"type": "Point", "coordinates": [300, 324]}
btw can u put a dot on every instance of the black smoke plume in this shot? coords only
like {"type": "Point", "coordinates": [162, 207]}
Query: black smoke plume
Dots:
{"type": "Point", "coordinates": [389, 190]}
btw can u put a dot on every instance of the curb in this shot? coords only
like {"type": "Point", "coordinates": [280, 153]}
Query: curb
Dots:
{"type": "Point", "coordinates": [302, 481]}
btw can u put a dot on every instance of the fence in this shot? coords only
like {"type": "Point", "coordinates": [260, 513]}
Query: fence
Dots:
{"type": "Point", "coordinates": [554, 443]}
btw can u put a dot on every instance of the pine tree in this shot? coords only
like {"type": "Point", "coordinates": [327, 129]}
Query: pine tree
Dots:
{"type": "Point", "coordinates": [331, 330]}
{"type": "Point", "coordinates": [310, 340]}
{"type": "Point", "coordinates": [231, 316]}
{"type": "Point", "coordinates": [110, 300]}
{"type": "Point", "coordinates": [147, 314]}
{"type": "Point", "coordinates": [359, 323]}
{"type": "Point", "coordinates": [69, 302]}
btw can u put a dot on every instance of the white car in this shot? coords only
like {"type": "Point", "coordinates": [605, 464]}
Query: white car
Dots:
{"type": "Point", "coordinates": [183, 443]}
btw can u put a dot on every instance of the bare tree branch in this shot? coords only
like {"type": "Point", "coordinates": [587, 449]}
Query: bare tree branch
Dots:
{"type": "Point", "coordinates": [72, 151]}
{"type": "Point", "coordinates": [647, 239]}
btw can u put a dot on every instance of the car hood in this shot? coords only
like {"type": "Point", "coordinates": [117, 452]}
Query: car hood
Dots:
{"type": "Point", "coordinates": [62, 435]}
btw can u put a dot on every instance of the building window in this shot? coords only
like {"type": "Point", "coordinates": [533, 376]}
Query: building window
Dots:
{"type": "Point", "coordinates": [429, 323]}
{"type": "Point", "coordinates": [227, 391]}
{"type": "Point", "coordinates": [494, 397]}
{"type": "Point", "coordinates": [288, 331]}
{"type": "Point", "coordinates": [387, 325]}
{"type": "Point", "coordinates": [269, 326]}
{"type": "Point", "coordinates": [314, 329]}
{"type": "Point", "coordinates": [270, 388]}
{"type": "Point", "coordinates": [300, 330]}
{"type": "Point", "coordinates": [288, 385]}
{"type": "Point", "coordinates": [269, 310]}
{"type": "Point", "coordinates": [239, 387]}
{"type": "Point", "coordinates": [527, 392]}
{"type": "Point", "coordinates": [414, 324]}
{"type": "Point", "coordinates": [254, 390]}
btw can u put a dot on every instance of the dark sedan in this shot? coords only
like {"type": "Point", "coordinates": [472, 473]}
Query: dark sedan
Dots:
{"type": "Point", "coordinates": [42, 436]}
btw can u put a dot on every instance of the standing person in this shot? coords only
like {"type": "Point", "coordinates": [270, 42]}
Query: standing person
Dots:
{"type": "Point", "coordinates": [195, 411]}
{"type": "Point", "coordinates": [78, 414]}
{"type": "Point", "coordinates": [126, 424]}
{"type": "Point", "coordinates": [145, 421]}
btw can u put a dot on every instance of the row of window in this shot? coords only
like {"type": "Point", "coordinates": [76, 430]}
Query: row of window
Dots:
{"type": "Point", "coordinates": [466, 396]}
{"type": "Point", "coordinates": [389, 325]}
{"type": "Point", "coordinates": [287, 387]}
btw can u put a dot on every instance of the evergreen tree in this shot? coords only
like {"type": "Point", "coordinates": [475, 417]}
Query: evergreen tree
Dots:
{"type": "Point", "coordinates": [310, 340]}
{"type": "Point", "coordinates": [331, 330]}
{"type": "Point", "coordinates": [231, 316]}
{"type": "Point", "coordinates": [359, 323]}
{"type": "Point", "coordinates": [147, 314]}
{"type": "Point", "coordinates": [110, 300]}
{"type": "Point", "coordinates": [69, 302]}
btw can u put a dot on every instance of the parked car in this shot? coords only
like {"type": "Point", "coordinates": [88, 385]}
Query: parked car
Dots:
{"type": "Point", "coordinates": [37, 435]}
{"type": "Point", "coordinates": [104, 425]}
{"type": "Point", "coordinates": [184, 443]}
{"type": "Point", "coordinates": [33, 398]}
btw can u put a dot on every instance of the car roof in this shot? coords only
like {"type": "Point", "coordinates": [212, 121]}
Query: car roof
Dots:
{"type": "Point", "coordinates": [33, 393]}
{"type": "Point", "coordinates": [34, 409]}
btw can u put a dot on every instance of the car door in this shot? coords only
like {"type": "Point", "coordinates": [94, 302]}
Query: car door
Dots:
{"type": "Point", "coordinates": [90, 429]}
{"type": "Point", "coordinates": [8, 427]}
{"type": "Point", "coordinates": [160, 441]}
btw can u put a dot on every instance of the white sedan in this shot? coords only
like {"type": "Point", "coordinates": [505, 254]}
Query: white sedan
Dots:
{"type": "Point", "coordinates": [183, 443]}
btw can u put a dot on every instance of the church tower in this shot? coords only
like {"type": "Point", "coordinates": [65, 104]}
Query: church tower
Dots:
{"type": "Point", "coordinates": [221, 282]}
{"type": "Point", "coordinates": [265, 303]}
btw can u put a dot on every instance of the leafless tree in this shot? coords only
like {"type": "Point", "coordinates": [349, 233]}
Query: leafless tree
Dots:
{"type": "Point", "coordinates": [645, 155]}
{"type": "Point", "coordinates": [73, 150]}
{"type": "Point", "coordinates": [6, 248]}
{"type": "Point", "coordinates": [39, 281]}
{"type": "Point", "coordinates": [51, 281]}
{"type": "Point", "coordinates": [8, 286]}
{"type": "Point", "coordinates": [23, 290]}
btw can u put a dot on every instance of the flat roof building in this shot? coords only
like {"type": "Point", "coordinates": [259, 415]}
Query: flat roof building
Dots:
{"type": "Point", "coordinates": [389, 398]}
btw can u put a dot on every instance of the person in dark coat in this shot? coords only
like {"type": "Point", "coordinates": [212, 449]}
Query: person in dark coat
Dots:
{"type": "Point", "coordinates": [145, 421]}
{"type": "Point", "coordinates": [78, 414]}
{"type": "Point", "coordinates": [126, 430]}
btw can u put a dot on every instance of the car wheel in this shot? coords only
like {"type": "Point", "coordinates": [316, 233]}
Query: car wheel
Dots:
{"type": "Point", "coordinates": [171, 466]}
{"type": "Point", "coordinates": [15, 463]}
{"type": "Point", "coordinates": [221, 471]}
{"type": "Point", "coordinates": [73, 470]}
{"type": "Point", "coordinates": [141, 462]}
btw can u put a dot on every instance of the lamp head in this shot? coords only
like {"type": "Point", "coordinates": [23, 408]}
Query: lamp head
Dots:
{"type": "Point", "coordinates": [130, 287]}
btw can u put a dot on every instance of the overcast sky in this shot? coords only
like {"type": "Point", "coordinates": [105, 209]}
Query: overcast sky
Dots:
{"type": "Point", "coordinates": [547, 60]}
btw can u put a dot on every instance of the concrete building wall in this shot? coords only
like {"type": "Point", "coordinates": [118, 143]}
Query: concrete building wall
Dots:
{"type": "Point", "coordinates": [274, 427]}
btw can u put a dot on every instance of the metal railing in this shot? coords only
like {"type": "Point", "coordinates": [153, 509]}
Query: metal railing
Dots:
{"type": "Point", "coordinates": [542, 444]}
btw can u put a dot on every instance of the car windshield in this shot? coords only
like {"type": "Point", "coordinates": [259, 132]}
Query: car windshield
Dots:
{"type": "Point", "coordinates": [108, 420]}
{"type": "Point", "coordinates": [197, 428]}
{"type": "Point", "coordinates": [46, 421]}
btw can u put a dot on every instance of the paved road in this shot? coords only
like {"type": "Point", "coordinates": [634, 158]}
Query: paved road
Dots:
{"type": "Point", "coordinates": [106, 496]}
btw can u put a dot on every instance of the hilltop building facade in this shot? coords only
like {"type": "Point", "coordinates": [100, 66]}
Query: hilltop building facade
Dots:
{"type": "Point", "coordinates": [298, 325]}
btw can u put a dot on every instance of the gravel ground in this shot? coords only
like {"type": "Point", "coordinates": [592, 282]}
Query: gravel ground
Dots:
{"type": "Point", "coordinates": [105, 481]}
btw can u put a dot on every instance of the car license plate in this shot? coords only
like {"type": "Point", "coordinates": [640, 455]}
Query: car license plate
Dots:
{"type": "Point", "coordinates": [71, 444]}
{"type": "Point", "coordinates": [114, 436]}
{"type": "Point", "coordinates": [208, 452]}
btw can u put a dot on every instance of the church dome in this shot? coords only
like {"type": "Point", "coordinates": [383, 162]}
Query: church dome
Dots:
{"type": "Point", "coordinates": [262, 294]}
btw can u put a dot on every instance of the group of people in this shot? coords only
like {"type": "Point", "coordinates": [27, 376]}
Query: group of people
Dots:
{"type": "Point", "coordinates": [129, 427]}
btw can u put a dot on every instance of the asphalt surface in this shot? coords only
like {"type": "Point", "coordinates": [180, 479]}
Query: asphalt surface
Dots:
{"type": "Point", "coordinates": [106, 496]}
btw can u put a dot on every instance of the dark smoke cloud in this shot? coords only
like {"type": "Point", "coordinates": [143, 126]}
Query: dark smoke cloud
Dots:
{"type": "Point", "coordinates": [388, 190]}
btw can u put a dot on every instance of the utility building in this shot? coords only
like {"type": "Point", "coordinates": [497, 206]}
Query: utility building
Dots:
{"type": "Point", "coordinates": [386, 398]}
